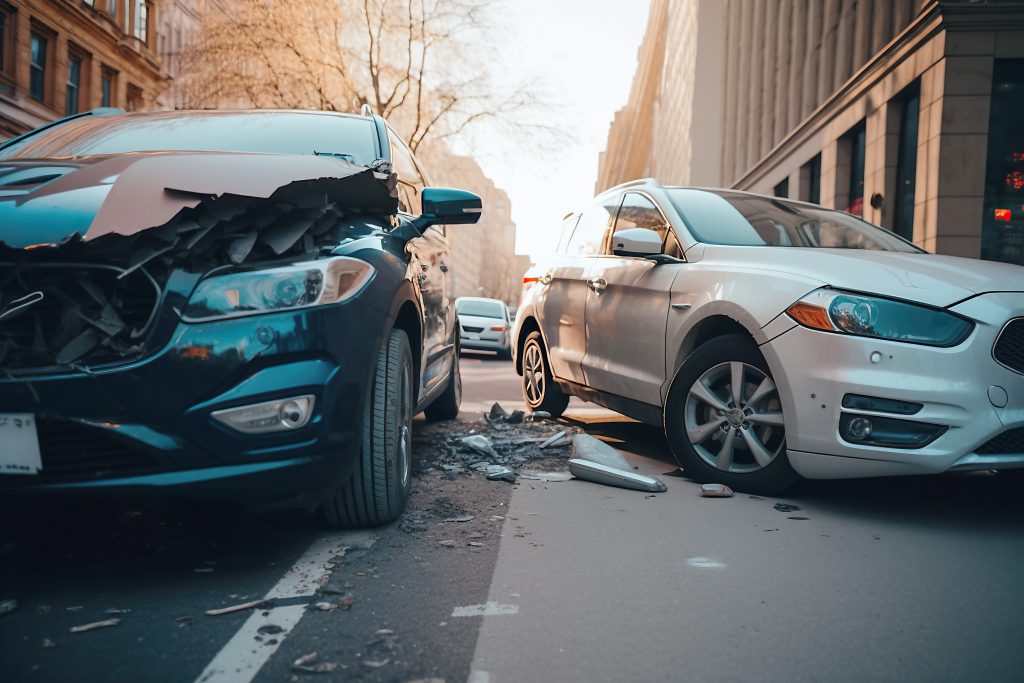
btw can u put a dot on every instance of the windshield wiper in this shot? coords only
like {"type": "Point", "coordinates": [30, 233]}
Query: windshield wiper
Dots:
{"type": "Point", "coordinates": [337, 155]}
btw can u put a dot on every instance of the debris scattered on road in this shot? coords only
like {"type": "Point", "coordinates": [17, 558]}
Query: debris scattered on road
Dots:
{"type": "Point", "coordinates": [799, 518]}
{"type": "Point", "coordinates": [786, 507]}
{"type": "Point", "coordinates": [516, 417]}
{"type": "Point", "coordinates": [610, 476]}
{"type": "Point", "coordinates": [383, 632]}
{"type": "Point", "coordinates": [8, 606]}
{"type": "Point", "coordinates": [475, 544]}
{"type": "Point", "coordinates": [488, 609]}
{"type": "Point", "coordinates": [325, 606]}
{"type": "Point", "coordinates": [715, 491]}
{"type": "Point", "coordinates": [705, 563]}
{"type": "Point", "coordinates": [305, 664]}
{"type": "Point", "coordinates": [115, 610]}
{"type": "Point", "coordinates": [376, 663]}
{"type": "Point", "coordinates": [496, 413]}
{"type": "Point", "coordinates": [106, 623]}
{"type": "Point", "coordinates": [48, 643]}
{"type": "Point", "coordinates": [305, 659]}
{"type": "Point", "coordinates": [346, 600]}
{"type": "Point", "coordinates": [270, 630]}
{"type": "Point", "coordinates": [184, 618]}
{"type": "Point", "coordinates": [555, 440]}
{"type": "Point", "coordinates": [460, 518]}
{"type": "Point", "coordinates": [586, 447]}
{"type": "Point", "coordinates": [538, 415]}
{"type": "Point", "coordinates": [481, 444]}
{"type": "Point", "coordinates": [501, 473]}
{"type": "Point", "coordinates": [234, 608]}
{"type": "Point", "coordinates": [545, 475]}
{"type": "Point", "coordinates": [446, 543]}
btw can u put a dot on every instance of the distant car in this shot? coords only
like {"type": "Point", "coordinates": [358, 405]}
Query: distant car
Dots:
{"type": "Point", "coordinates": [245, 305]}
{"type": "Point", "coordinates": [773, 338]}
{"type": "Point", "coordinates": [484, 325]}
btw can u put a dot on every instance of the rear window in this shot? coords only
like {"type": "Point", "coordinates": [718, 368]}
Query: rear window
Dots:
{"type": "Point", "coordinates": [481, 309]}
{"type": "Point", "coordinates": [739, 219]}
{"type": "Point", "coordinates": [264, 132]}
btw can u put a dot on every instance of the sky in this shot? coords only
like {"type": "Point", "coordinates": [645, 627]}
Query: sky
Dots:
{"type": "Point", "coordinates": [584, 52]}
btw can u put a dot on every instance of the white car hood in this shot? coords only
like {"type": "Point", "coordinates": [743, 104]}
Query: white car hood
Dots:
{"type": "Point", "coordinates": [476, 321]}
{"type": "Point", "coordinates": [926, 278]}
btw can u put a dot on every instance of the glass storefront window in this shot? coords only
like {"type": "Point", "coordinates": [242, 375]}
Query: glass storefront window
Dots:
{"type": "Point", "coordinates": [1002, 234]}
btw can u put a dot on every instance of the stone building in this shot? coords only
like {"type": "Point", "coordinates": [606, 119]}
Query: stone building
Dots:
{"type": "Point", "coordinates": [902, 111]}
{"type": "Point", "coordinates": [61, 57]}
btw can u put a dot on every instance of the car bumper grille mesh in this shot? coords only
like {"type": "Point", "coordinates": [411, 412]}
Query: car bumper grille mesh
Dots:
{"type": "Point", "coordinates": [1010, 442]}
{"type": "Point", "coordinates": [1009, 348]}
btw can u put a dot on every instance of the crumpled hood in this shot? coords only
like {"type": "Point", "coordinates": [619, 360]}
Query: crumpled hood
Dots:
{"type": "Point", "coordinates": [926, 278]}
{"type": "Point", "coordinates": [51, 202]}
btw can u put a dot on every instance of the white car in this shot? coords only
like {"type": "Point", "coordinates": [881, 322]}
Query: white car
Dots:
{"type": "Point", "coordinates": [484, 325]}
{"type": "Point", "coordinates": [775, 339]}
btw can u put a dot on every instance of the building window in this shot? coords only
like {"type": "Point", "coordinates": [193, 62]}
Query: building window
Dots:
{"type": "Point", "coordinates": [810, 180]}
{"type": "Point", "coordinates": [74, 85]}
{"type": "Point", "coordinates": [141, 18]}
{"type": "Point", "coordinates": [782, 189]}
{"type": "Point", "coordinates": [108, 88]}
{"type": "Point", "coordinates": [850, 171]}
{"type": "Point", "coordinates": [1002, 232]}
{"type": "Point", "coordinates": [40, 48]}
{"type": "Point", "coordinates": [909, 102]}
{"type": "Point", "coordinates": [134, 100]}
{"type": "Point", "coordinates": [6, 40]}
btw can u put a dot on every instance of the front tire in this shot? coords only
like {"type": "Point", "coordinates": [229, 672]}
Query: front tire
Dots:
{"type": "Point", "coordinates": [378, 489]}
{"type": "Point", "coordinates": [539, 388]}
{"type": "Point", "coordinates": [723, 418]}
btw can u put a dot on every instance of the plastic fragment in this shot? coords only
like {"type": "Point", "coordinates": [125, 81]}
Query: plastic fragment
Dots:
{"type": "Point", "coordinates": [555, 440]}
{"type": "Point", "coordinates": [497, 413]}
{"type": "Point", "coordinates": [716, 491]}
{"type": "Point", "coordinates": [106, 623]}
{"type": "Point", "coordinates": [610, 476]}
{"type": "Point", "coordinates": [481, 444]}
{"type": "Point", "coordinates": [586, 447]}
{"type": "Point", "coordinates": [234, 608]}
{"type": "Point", "coordinates": [8, 606]}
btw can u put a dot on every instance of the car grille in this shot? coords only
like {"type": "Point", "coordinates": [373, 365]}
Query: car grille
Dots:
{"type": "Point", "coordinates": [1009, 348]}
{"type": "Point", "coordinates": [76, 453]}
{"type": "Point", "coordinates": [467, 328]}
{"type": "Point", "coordinates": [1007, 443]}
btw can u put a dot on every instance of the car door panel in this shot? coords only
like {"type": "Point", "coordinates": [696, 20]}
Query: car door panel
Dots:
{"type": "Point", "coordinates": [562, 317]}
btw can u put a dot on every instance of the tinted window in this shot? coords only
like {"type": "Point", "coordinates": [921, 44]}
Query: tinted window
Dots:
{"type": "Point", "coordinates": [748, 220]}
{"type": "Point", "coordinates": [481, 309]}
{"type": "Point", "coordinates": [588, 238]}
{"type": "Point", "coordinates": [638, 211]}
{"type": "Point", "coordinates": [266, 132]}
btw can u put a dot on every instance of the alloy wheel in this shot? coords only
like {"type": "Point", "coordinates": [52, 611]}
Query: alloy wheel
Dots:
{"type": "Point", "coordinates": [733, 418]}
{"type": "Point", "coordinates": [533, 373]}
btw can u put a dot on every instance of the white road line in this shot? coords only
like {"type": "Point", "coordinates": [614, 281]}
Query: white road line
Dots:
{"type": "Point", "coordinates": [243, 656]}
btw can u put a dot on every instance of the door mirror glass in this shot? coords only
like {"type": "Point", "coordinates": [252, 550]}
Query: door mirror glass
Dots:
{"type": "Point", "coordinates": [445, 206]}
{"type": "Point", "coordinates": [640, 242]}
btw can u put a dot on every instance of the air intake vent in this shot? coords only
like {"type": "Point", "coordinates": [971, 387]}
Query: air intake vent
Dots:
{"type": "Point", "coordinates": [1009, 348]}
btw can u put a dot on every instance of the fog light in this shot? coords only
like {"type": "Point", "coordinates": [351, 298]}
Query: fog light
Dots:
{"type": "Point", "coordinates": [271, 416]}
{"type": "Point", "coordinates": [859, 428]}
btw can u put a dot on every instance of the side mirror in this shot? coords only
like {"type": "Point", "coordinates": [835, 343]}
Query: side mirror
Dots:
{"type": "Point", "coordinates": [444, 206]}
{"type": "Point", "coordinates": [641, 242]}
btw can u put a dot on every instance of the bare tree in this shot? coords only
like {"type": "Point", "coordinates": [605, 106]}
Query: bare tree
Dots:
{"type": "Point", "coordinates": [419, 63]}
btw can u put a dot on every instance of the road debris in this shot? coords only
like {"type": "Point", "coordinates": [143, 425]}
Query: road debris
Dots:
{"type": "Point", "coordinates": [306, 664]}
{"type": "Point", "coordinates": [116, 610]}
{"type": "Point", "coordinates": [501, 473]}
{"type": "Point", "coordinates": [475, 544]}
{"type": "Point", "coordinates": [481, 444]}
{"type": "Point", "coordinates": [716, 491]}
{"type": "Point", "coordinates": [346, 600]}
{"type": "Point", "coordinates": [538, 415]}
{"type": "Point", "coordinates": [786, 507]}
{"type": "Point", "coordinates": [325, 606]}
{"type": "Point", "coordinates": [8, 606]}
{"type": "Point", "coordinates": [555, 440]}
{"type": "Point", "coordinates": [48, 643]}
{"type": "Point", "coordinates": [383, 632]}
{"type": "Point", "coordinates": [305, 659]}
{"type": "Point", "coordinates": [488, 609]}
{"type": "Point", "coordinates": [544, 475]}
{"type": "Point", "coordinates": [447, 543]}
{"type": "Point", "coordinates": [183, 619]}
{"type": "Point", "coordinates": [106, 623]}
{"type": "Point", "coordinates": [376, 663]}
{"type": "Point", "coordinates": [496, 413]}
{"type": "Point", "coordinates": [234, 608]}
{"type": "Point", "coordinates": [610, 476]}
{"type": "Point", "coordinates": [460, 518]}
{"type": "Point", "coordinates": [586, 447]}
{"type": "Point", "coordinates": [516, 417]}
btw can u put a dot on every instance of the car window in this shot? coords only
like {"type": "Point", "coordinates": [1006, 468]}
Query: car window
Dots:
{"type": "Point", "coordinates": [410, 181]}
{"type": "Point", "coordinates": [566, 232]}
{"type": "Point", "coordinates": [738, 219]}
{"type": "Point", "coordinates": [265, 132]}
{"type": "Point", "coordinates": [589, 236]}
{"type": "Point", "coordinates": [481, 309]}
{"type": "Point", "coordinates": [637, 211]}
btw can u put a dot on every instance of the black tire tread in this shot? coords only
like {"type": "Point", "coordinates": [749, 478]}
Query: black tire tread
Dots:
{"type": "Point", "coordinates": [555, 400]}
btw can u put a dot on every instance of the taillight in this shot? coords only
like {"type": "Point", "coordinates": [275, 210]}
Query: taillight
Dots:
{"type": "Point", "coordinates": [528, 280]}
{"type": "Point", "coordinates": [498, 328]}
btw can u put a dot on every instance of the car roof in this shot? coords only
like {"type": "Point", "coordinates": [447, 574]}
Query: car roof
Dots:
{"type": "Point", "coordinates": [479, 298]}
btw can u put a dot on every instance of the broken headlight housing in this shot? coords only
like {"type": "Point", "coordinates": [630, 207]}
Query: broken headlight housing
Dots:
{"type": "Point", "coordinates": [831, 310]}
{"type": "Point", "coordinates": [302, 285]}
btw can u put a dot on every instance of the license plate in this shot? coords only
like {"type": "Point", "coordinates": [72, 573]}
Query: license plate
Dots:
{"type": "Point", "coordinates": [19, 444]}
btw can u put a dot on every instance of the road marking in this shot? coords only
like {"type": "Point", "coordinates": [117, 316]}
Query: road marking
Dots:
{"type": "Point", "coordinates": [243, 656]}
{"type": "Point", "coordinates": [489, 609]}
{"type": "Point", "coordinates": [705, 563]}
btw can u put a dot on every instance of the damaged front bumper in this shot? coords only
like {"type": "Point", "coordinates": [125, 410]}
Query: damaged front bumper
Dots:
{"type": "Point", "coordinates": [148, 426]}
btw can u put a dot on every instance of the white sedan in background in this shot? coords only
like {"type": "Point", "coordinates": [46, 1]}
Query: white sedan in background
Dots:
{"type": "Point", "coordinates": [774, 339]}
{"type": "Point", "coordinates": [484, 325]}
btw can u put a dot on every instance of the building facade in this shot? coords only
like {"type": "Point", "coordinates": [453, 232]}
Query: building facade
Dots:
{"type": "Point", "coordinates": [901, 111]}
{"type": "Point", "coordinates": [61, 57]}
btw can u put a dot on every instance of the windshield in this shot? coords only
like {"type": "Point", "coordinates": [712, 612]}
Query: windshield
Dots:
{"type": "Point", "coordinates": [268, 132]}
{"type": "Point", "coordinates": [737, 219]}
{"type": "Point", "coordinates": [481, 309]}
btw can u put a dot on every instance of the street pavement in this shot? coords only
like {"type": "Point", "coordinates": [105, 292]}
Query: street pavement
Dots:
{"type": "Point", "coordinates": [912, 579]}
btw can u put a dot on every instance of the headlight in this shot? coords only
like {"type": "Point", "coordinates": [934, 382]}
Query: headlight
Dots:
{"type": "Point", "coordinates": [278, 289]}
{"type": "Point", "coordinates": [868, 316]}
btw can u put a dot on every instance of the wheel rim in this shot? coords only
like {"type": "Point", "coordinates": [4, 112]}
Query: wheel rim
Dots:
{"type": "Point", "coordinates": [404, 431]}
{"type": "Point", "coordinates": [533, 374]}
{"type": "Point", "coordinates": [734, 418]}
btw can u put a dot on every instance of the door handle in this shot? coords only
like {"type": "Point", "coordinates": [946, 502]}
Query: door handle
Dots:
{"type": "Point", "coordinates": [598, 284]}
{"type": "Point", "coordinates": [546, 279]}
{"type": "Point", "coordinates": [444, 267]}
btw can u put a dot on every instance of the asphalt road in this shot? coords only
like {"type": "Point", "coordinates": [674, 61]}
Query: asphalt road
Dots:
{"type": "Point", "coordinates": [901, 579]}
